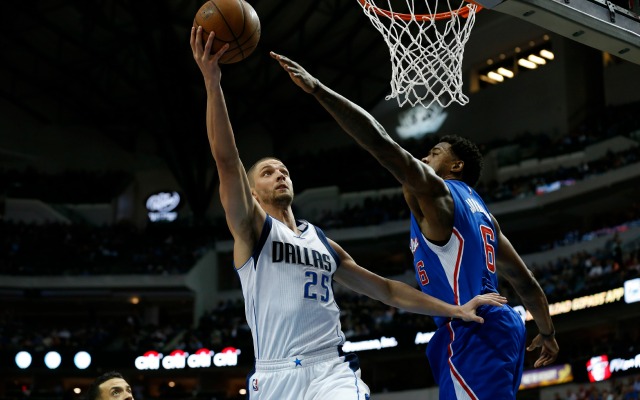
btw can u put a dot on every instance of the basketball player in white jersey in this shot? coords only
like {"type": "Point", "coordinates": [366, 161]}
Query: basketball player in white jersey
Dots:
{"type": "Point", "coordinates": [286, 268]}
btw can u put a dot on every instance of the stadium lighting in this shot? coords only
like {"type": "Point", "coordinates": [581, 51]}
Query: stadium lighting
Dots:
{"type": "Point", "coordinates": [52, 359]}
{"type": "Point", "coordinates": [82, 360]}
{"type": "Point", "coordinates": [547, 54]}
{"type": "Point", "coordinates": [495, 76]}
{"type": "Point", "coordinates": [485, 78]}
{"type": "Point", "coordinates": [538, 60]}
{"type": "Point", "coordinates": [505, 72]}
{"type": "Point", "coordinates": [23, 359]}
{"type": "Point", "coordinates": [523, 62]}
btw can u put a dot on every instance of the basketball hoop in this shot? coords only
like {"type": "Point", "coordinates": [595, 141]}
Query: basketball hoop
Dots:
{"type": "Point", "coordinates": [426, 58]}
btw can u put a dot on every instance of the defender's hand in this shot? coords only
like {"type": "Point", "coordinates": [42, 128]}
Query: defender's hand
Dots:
{"type": "Point", "coordinates": [299, 75]}
{"type": "Point", "coordinates": [549, 350]}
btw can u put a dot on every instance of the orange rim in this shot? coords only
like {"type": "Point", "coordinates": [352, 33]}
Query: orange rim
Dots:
{"type": "Point", "coordinates": [462, 12]}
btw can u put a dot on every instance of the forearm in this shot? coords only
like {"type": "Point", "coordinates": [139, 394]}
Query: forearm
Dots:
{"type": "Point", "coordinates": [234, 190]}
{"type": "Point", "coordinates": [407, 298]}
{"type": "Point", "coordinates": [358, 123]}
{"type": "Point", "coordinates": [219, 130]}
{"type": "Point", "coordinates": [523, 281]}
{"type": "Point", "coordinates": [535, 301]}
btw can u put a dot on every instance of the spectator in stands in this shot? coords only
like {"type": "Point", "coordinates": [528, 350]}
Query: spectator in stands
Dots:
{"type": "Point", "coordinates": [110, 386]}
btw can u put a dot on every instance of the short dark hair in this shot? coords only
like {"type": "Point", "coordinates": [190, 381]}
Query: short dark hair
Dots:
{"type": "Point", "coordinates": [252, 170]}
{"type": "Point", "coordinates": [94, 390]}
{"type": "Point", "coordinates": [470, 154]}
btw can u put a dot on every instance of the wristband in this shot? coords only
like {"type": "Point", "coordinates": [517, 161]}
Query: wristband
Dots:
{"type": "Point", "coordinates": [549, 335]}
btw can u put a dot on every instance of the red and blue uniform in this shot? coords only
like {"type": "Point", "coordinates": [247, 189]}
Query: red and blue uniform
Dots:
{"type": "Point", "coordinates": [469, 360]}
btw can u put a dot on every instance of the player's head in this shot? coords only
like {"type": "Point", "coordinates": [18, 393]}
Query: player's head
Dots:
{"type": "Point", "coordinates": [455, 157]}
{"type": "Point", "coordinates": [270, 182]}
{"type": "Point", "coordinates": [109, 386]}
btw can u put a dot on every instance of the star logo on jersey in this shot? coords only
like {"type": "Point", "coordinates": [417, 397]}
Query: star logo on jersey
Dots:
{"type": "Point", "coordinates": [298, 362]}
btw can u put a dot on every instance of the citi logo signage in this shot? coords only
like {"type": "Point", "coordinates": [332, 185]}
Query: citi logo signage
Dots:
{"type": "Point", "coordinates": [180, 359]}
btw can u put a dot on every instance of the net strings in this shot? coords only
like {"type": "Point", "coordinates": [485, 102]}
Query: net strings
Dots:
{"type": "Point", "coordinates": [426, 55]}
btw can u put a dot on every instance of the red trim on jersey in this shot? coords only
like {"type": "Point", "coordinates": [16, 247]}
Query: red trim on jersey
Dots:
{"type": "Point", "coordinates": [456, 271]}
{"type": "Point", "coordinates": [453, 369]}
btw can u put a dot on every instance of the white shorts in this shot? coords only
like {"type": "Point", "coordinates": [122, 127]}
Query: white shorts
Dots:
{"type": "Point", "coordinates": [325, 374]}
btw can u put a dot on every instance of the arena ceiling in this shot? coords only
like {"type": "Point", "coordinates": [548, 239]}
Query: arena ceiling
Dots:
{"type": "Point", "coordinates": [126, 65]}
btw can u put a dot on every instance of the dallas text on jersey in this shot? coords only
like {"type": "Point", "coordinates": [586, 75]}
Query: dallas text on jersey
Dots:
{"type": "Point", "coordinates": [295, 254]}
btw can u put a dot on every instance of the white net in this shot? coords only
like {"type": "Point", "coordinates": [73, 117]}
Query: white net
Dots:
{"type": "Point", "coordinates": [426, 53]}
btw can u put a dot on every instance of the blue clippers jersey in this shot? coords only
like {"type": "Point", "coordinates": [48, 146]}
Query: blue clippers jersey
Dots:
{"type": "Point", "coordinates": [465, 266]}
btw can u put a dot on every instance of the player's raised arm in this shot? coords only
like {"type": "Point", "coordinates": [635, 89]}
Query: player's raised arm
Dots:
{"type": "Point", "coordinates": [244, 215]}
{"type": "Point", "coordinates": [366, 131]}
{"type": "Point", "coordinates": [427, 194]}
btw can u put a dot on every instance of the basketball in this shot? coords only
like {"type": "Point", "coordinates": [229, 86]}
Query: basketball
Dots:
{"type": "Point", "coordinates": [234, 22]}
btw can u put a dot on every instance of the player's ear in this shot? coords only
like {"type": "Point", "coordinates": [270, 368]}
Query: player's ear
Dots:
{"type": "Point", "coordinates": [457, 166]}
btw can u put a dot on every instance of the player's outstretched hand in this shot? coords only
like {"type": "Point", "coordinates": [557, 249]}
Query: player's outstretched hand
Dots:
{"type": "Point", "coordinates": [299, 75]}
{"type": "Point", "coordinates": [468, 310]}
{"type": "Point", "coordinates": [549, 350]}
{"type": "Point", "coordinates": [207, 63]}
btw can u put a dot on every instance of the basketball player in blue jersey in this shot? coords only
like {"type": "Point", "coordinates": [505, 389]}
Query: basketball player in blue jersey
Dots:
{"type": "Point", "coordinates": [287, 267]}
{"type": "Point", "coordinates": [458, 249]}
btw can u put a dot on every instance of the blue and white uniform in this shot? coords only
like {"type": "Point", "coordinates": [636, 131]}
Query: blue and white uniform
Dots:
{"type": "Point", "coordinates": [469, 360]}
{"type": "Point", "coordinates": [294, 319]}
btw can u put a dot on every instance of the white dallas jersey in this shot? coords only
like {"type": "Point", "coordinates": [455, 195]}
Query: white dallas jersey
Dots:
{"type": "Point", "coordinates": [287, 287]}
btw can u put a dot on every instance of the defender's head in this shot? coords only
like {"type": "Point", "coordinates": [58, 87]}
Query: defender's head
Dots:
{"type": "Point", "coordinates": [455, 157]}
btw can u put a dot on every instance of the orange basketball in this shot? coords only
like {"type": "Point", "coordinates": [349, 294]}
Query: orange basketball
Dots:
{"type": "Point", "coordinates": [234, 22]}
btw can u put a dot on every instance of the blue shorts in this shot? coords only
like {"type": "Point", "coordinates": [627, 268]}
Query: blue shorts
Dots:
{"type": "Point", "coordinates": [479, 361]}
